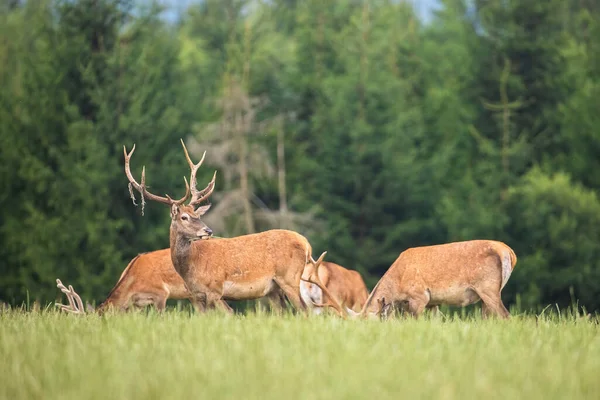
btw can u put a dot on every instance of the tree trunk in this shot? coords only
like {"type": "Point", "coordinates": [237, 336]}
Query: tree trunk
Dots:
{"type": "Point", "coordinates": [248, 217]}
{"type": "Point", "coordinates": [283, 207]}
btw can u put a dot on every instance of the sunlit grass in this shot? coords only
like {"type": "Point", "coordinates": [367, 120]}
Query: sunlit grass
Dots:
{"type": "Point", "coordinates": [249, 356]}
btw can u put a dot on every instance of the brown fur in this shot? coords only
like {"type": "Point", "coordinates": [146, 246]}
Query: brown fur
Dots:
{"type": "Point", "coordinates": [149, 279]}
{"type": "Point", "coordinates": [345, 285]}
{"type": "Point", "coordinates": [459, 273]}
{"type": "Point", "coordinates": [242, 268]}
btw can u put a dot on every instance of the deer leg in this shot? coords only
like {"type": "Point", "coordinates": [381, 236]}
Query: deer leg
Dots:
{"type": "Point", "coordinates": [492, 304]}
{"type": "Point", "coordinates": [417, 304]}
{"type": "Point", "coordinates": [276, 301]}
{"type": "Point", "coordinates": [485, 311]}
{"type": "Point", "coordinates": [222, 304]}
{"type": "Point", "coordinates": [214, 300]}
{"type": "Point", "coordinates": [434, 309]}
{"type": "Point", "coordinates": [160, 303]}
{"type": "Point", "coordinates": [293, 295]}
{"type": "Point", "coordinates": [504, 307]}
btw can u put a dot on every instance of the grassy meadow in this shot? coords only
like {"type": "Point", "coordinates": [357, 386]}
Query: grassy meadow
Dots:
{"type": "Point", "coordinates": [256, 355]}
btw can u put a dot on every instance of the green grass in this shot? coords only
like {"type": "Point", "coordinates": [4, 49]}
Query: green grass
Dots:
{"type": "Point", "coordinates": [254, 356]}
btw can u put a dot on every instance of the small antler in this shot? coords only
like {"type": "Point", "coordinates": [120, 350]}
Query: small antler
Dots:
{"type": "Point", "coordinates": [75, 304]}
{"type": "Point", "coordinates": [317, 263]}
{"type": "Point", "coordinates": [142, 187]}
{"type": "Point", "coordinates": [198, 196]}
{"type": "Point", "coordinates": [311, 274]}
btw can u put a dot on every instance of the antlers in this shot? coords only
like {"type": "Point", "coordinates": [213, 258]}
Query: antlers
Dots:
{"type": "Point", "coordinates": [197, 196]}
{"type": "Point", "coordinates": [318, 262]}
{"type": "Point", "coordinates": [75, 304]}
{"type": "Point", "coordinates": [311, 270]}
{"type": "Point", "coordinates": [142, 188]}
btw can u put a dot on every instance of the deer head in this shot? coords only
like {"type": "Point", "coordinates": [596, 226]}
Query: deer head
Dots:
{"type": "Point", "coordinates": [185, 219]}
{"type": "Point", "coordinates": [380, 311]}
{"type": "Point", "coordinates": [384, 308]}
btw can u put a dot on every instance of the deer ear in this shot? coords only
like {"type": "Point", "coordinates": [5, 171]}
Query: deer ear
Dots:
{"type": "Point", "coordinates": [174, 211]}
{"type": "Point", "coordinates": [203, 209]}
{"type": "Point", "coordinates": [386, 309]}
{"type": "Point", "coordinates": [382, 305]}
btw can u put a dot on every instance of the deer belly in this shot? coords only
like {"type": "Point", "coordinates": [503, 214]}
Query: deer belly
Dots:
{"type": "Point", "coordinates": [310, 294]}
{"type": "Point", "coordinates": [453, 296]}
{"type": "Point", "coordinates": [248, 289]}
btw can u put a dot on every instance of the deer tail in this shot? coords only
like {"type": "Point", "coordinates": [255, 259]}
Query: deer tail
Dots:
{"type": "Point", "coordinates": [509, 260]}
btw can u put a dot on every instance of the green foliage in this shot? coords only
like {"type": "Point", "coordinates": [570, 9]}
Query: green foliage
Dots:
{"type": "Point", "coordinates": [80, 91]}
{"type": "Point", "coordinates": [555, 229]}
{"type": "Point", "coordinates": [482, 123]}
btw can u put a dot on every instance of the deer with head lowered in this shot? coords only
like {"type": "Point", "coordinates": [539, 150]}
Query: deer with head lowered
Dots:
{"type": "Point", "coordinates": [458, 274]}
{"type": "Point", "coordinates": [148, 280]}
{"type": "Point", "coordinates": [346, 285]}
{"type": "Point", "coordinates": [241, 268]}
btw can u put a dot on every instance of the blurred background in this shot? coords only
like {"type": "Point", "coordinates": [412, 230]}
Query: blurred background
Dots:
{"type": "Point", "coordinates": [367, 126]}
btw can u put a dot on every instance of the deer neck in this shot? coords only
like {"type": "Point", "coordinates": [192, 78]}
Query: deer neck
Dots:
{"type": "Point", "coordinates": [370, 306]}
{"type": "Point", "coordinates": [181, 251]}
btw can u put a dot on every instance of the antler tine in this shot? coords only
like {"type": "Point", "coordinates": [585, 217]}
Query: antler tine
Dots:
{"type": "Point", "coordinates": [75, 304]}
{"type": "Point", "coordinates": [193, 167]}
{"type": "Point", "coordinates": [204, 193]}
{"type": "Point", "coordinates": [66, 291]}
{"type": "Point", "coordinates": [319, 260]}
{"type": "Point", "coordinates": [198, 196]}
{"type": "Point", "coordinates": [142, 188]}
{"type": "Point", "coordinates": [77, 299]}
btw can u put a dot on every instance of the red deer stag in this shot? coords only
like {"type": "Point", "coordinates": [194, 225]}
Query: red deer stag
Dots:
{"type": "Point", "coordinates": [242, 268]}
{"type": "Point", "coordinates": [346, 285]}
{"type": "Point", "coordinates": [459, 274]}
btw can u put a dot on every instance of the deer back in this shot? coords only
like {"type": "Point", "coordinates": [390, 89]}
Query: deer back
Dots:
{"type": "Point", "coordinates": [275, 252]}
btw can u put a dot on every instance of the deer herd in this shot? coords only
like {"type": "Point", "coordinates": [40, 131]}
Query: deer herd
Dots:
{"type": "Point", "coordinates": [278, 264]}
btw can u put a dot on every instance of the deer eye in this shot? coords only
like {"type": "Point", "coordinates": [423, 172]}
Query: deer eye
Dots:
{"type": "Point", "coordinates": [184, 217]}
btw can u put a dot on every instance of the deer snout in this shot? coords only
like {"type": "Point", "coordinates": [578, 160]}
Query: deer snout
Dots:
{"type": "Point", "coordinates": [205, 233]}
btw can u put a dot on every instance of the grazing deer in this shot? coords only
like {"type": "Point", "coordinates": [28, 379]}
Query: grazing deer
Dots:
{"type": "Point", "coordinates": [347, 286]}
{"type": "Point", "coordinates": [149, 279]}
{"type": "Point", "coordinates": [241, 268]}
{"type": "Point", "coordinates": [459, 274]}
